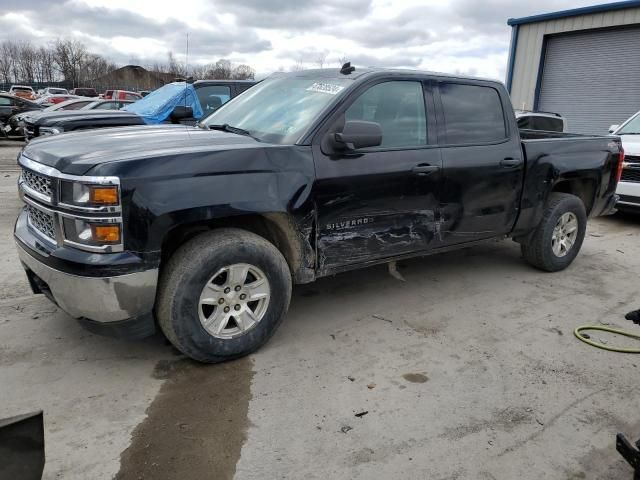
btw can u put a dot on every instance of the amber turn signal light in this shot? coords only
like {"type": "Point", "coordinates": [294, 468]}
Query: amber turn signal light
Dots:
{"type": "Point", "coordinates": [106, 233]}
{"type": "Point", "coordinates": [103, 195]}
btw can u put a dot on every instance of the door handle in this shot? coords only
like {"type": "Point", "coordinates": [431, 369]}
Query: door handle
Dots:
{"type": "Point", "coordinates": [425, 169]}
{"type": "Point", "coordinates": [509, 162]}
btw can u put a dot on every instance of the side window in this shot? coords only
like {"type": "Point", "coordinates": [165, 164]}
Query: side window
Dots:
{"type": "Point", "coordinates": [241, 88]}
{"type": "Point", "coordinates": [107, 106]}
{"type": "Point", "coordinates": [525, 122]}
{"type": "Point", "coordinates": [472, 114]}
{"type": "Point", "coordinates": [213, 97]}
{"type": "Point", "coordinates": [76, 106]}
{"type": "Point", "coordinates": [548, 124]}
{"type": "Point", "coordinates": [399, 109]}
{"type": "Point", "coordinates": [5, 101]}
{"type": "Point", "coordinates": [130, 96]}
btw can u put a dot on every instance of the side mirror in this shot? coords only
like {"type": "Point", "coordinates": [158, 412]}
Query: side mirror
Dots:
{"type": "Point", "coordinates": [181, 112]}
{"type": "Point", "coordinates": [613, 128]}
{"type": "Point", "coordinates": [358, 134]}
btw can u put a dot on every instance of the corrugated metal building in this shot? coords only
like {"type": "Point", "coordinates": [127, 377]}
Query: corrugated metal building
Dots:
{"type": "Point", "coordinates": [582, 63]}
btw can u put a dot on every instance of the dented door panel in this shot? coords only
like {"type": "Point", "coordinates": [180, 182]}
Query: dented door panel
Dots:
{"type": "Point", "coordinates": [374, 206]}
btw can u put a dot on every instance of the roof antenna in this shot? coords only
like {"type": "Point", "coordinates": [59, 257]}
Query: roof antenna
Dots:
{"type": "Point", "coordinates": [186, 72]}
{"type": "Point", "coordinates": [347, 69]}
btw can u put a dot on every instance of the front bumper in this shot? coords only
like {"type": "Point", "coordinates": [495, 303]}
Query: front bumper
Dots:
{"type": "Point", "coordinates": [629, 193]}
{"type": "Point", "coordinates": [99, 299]}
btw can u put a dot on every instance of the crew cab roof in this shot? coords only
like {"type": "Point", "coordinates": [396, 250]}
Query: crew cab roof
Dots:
{"type": "Point", "coordinates": [369, 72]}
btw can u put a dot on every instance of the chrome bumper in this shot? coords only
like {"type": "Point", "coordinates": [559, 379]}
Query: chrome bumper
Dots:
{"type": "Point", "coordinates": [629, 194]}
{"type": "Point", "coordinates": [101, 299]}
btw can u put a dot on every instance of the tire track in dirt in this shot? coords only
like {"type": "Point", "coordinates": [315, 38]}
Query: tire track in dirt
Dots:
{"type": "Point", "coordinates": [196, 425]}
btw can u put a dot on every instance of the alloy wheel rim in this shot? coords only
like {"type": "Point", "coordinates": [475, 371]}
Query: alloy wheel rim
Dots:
{"type": "Point", "coordinates": [564, 234]}
{"type": "Point", "coordinates": [234, 300]}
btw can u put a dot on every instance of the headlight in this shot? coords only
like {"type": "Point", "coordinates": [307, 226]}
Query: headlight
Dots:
{"type": "Point", "coordinates": [89, 195]}
{"type": "Point", "coordinates": [92, 234]}
{"type": "Point", "coordinates": [44, 131]}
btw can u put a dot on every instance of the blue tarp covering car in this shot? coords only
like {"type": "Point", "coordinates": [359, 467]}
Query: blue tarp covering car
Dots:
{"type": "Point", "coordinates": [157, 106]}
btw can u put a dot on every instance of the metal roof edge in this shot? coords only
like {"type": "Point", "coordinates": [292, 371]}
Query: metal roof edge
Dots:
{"type": "Point", "coordinates": [605, 7]}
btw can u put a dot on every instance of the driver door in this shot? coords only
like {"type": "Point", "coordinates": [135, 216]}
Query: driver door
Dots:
{"type": "Point", "coordinates": [380, 202]}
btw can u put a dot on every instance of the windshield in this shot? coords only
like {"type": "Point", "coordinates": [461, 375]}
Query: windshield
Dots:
{"type": "Point", "coordinates": [279, 109]}
{"type": "Point", "coordinates": [632, 127]}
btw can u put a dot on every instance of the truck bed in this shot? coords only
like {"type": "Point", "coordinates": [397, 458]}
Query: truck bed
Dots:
{"type": "Point", "coordinates": [555, 157]}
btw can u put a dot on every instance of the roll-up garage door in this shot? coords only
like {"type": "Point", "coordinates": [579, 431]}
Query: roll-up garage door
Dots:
{"type": "Point", "coordinates": [592, 78]}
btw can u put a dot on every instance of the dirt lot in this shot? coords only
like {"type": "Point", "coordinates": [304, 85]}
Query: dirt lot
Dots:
{"type": "Point", "coordinates": [468, 370]}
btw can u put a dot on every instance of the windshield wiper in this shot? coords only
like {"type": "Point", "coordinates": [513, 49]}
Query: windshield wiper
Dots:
{"type": "Point", "coordinates": [629, 133]}
{"type": "Point", "coordinates": [225, 127]}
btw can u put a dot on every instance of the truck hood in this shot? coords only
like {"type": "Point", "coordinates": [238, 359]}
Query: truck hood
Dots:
{"type": "Point", "coordinates": [631, 144]}
{"type": "Point", "coordinates": [76, 153]}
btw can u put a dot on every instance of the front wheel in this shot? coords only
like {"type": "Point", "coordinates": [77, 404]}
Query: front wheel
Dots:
{"type": "Point", "coordinates": [223, 294]}
{"type": "Point", "coordinates": [559, 236]}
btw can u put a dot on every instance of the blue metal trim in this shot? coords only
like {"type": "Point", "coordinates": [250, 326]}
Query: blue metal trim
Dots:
{"type": "Point", "coordinates": [543, 55]}
{"type": "Point", "coordinates": [573, 12]}
{"type": "Point", "coordinates": [512, 56]}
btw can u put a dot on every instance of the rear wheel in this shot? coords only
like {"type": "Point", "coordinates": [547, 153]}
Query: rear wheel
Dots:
{"type": "Point", "coordinates": [223, 294]}
{"type": "Point", "coordinates": [559, 236]}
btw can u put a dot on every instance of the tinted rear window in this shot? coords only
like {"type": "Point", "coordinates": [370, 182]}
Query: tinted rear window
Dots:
{"type": "Point", "coordinates": [473, 114]}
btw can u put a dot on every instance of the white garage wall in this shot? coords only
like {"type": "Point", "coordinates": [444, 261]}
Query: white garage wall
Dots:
{"type": "Point", "coordinates": [529, 48]}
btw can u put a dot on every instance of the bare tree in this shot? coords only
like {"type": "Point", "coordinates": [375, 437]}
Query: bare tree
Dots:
{"type": "Point", "coordinates": [243, 72]}
{"type": "Point", "coordinates": [175, 67]}
{"type": "Point", "coordinates": [27, 61]}
{"type": "Point", "coordinates": [221, 70]}
{"type": "Point", "coordinates": [321, 59]}
{"type": "Point", "coordinates": [342, 59]}
{"type": "Point", "coordinates": [199, 72]}
{"type": "Point", "coordinates": [6, 61]}
{"type": "Point", "coordinates": [69, 57]}
{"type": "Point", "coordinates": [298, 66]}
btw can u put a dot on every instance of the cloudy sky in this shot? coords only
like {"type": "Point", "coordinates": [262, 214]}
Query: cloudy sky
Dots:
{"type": "Point", "coordinates": [457, 36]}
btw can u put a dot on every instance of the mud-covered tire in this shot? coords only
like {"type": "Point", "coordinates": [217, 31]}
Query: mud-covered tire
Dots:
{"type": "Point", "coordinates": [188, 271]}
{"type": "Point", "coordinates": [538, 251]}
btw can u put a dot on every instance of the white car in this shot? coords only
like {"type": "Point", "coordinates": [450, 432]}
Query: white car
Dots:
{"type": "Point", "coordinates": [629, 186]}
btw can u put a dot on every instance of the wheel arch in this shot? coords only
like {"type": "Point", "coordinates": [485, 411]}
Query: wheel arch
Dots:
{"type": "Point", "coordinates": [295, 243]}
{"type": "Point", "coordinates": [583, 188]}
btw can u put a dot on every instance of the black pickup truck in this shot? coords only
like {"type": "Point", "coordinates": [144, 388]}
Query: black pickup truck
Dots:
{"type": "Point", "coordinates": [211, 95]}
{"type": "Point", "coordinates": [203, 230]}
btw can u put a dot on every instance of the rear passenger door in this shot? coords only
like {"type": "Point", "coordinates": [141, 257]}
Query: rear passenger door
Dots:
{"type": "Point", "coordinates": [482, 161]}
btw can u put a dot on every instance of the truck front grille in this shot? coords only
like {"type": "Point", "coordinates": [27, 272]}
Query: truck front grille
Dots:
{"type": "Point", "coordinates": [37, 182]}
{"type": "Point", "coordinates": [630, 175]}
{"type": "Point", "coordinates": [632, 158]}
{"type": "Point", "coordinates": [42, 221]}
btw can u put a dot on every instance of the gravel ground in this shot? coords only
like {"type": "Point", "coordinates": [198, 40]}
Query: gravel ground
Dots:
{"type": "Point", "coordinates": [468, 370]}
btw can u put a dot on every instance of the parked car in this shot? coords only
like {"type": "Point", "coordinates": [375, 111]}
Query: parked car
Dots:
{"type": "Point", "coordinates": [52, 99]}
{"type": "Point", "coordinates": [11, 105]}
{"type": "Point", "coordinates": [121, 95]}
{"type": "Point", "coordinates": [629, 186]}
{"type": "Point", "coordinates": [22, 91]}
{"type": "Point", "coordinates": [96, 114]}
{"type": "Point", "coordinates": [84, 92]}
{"type": "Point", "coordinates": [545, 121]}
{"type": "Point", "coordinates": [53, 91]}
{"type": "Point", "coordinates": [19, 122]}
{"type": "Point", "coordinates": [307, 174]}
{"type": "Point", "coordinates": [203, 97]}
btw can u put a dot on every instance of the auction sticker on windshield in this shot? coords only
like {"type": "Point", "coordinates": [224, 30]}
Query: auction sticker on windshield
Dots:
{"type": "Point", "coordinates": [325, 88]}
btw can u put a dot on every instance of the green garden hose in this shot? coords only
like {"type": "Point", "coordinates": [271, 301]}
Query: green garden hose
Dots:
{"type": "Point", "coordinates": [615, 331]}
